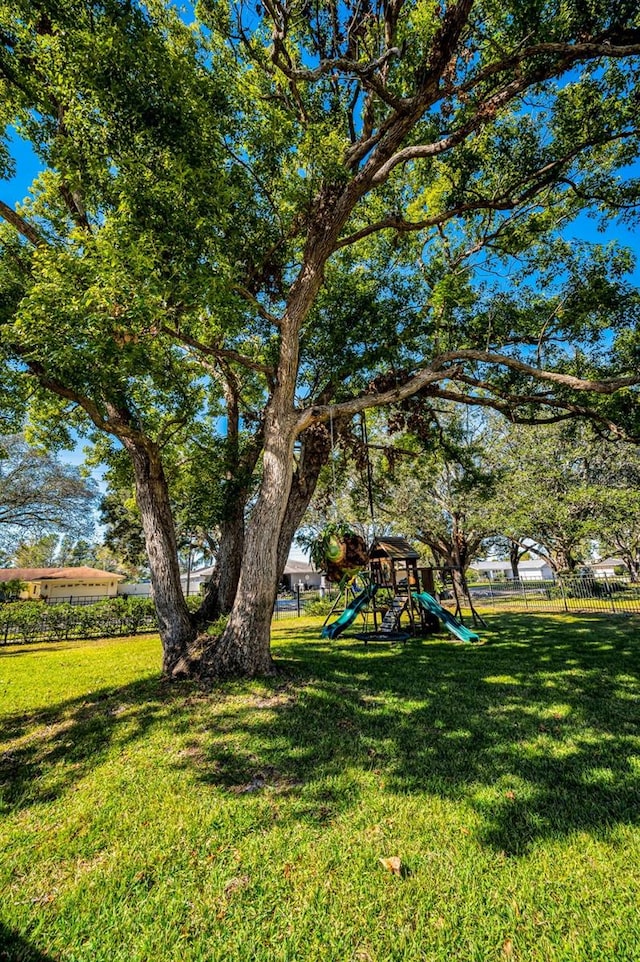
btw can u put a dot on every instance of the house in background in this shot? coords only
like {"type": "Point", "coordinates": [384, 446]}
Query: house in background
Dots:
{"type": "Point", "coordinates": [63, 584]}
{"type": "Point", "coordinates": [536, 569]}
{"type": "Point", "coordinates": [135, 589]}
{"type": "Point", "coordinates": [609, 568]}
{"type": "Point", "coordinates": [295, 572]}
{"type": "Point", "coordinates": [301, 574]}
{"type": "Point", "coordinates": [194, 582]}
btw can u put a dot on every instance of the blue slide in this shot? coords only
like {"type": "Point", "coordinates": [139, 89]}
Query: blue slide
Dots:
{"type": "Point", "coordinates": [426, 601]}
{"type": "Point", "coordinates": [349, 614]}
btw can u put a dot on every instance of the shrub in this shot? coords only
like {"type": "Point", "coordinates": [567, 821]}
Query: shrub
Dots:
{"type": "Point", "coordinates": [28, 621]}
{"type": "Point", "coordinates": [318, 606]}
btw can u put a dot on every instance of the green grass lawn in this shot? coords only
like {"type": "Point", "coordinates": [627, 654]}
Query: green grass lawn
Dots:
{"type": "Point", "coordinates": [146, 822]}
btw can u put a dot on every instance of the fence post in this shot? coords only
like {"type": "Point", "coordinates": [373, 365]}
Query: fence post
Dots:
{"type": "Point", "coordinates": [564, 597]}
{"type": "Point", "coordinates": [298, 598]}
{"type": "Point", "coordinates": [610, 593]}
{"type": "Point", "coordinates": [524, 593]}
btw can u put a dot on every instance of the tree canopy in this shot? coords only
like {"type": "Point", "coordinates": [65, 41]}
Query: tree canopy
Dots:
{"type": "Point", "coordinates": [276, 217]}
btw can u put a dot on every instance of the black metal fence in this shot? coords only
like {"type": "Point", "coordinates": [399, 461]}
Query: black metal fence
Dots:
{"type": "Point", "coordinates": [76, 600]}
{"type": "Point", "coordinates": [609, 596]}
{"type": "Point", "coordinates": [298, 603]}
{"type": "Point", "coordinates": [28, 622]}
{"type": "Point", "coordinates": [88, 617]}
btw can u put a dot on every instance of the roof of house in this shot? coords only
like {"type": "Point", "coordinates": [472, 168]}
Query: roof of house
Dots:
{"type": "Point", "coordinates": [607, 563]}
{"type": "Point", "coordinates": [54, 574]}
{"type": "Point", "coordinates": [397, 548]}
{"type": "Point", "coordinates": [299, 568]}
{"type": "Point", "coordinates": [205, 572]}
{"type": "Point", "coordinates": [291, 568]}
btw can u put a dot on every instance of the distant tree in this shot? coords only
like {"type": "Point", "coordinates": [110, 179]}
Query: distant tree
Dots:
{"type": "Point", "coordinates": [10, 590]}
{"type": "Point", "coordinates": [41, 496]}
{"type": "Point", "coordinates": [615, 475]}
{"type": "Point", "coordinates": [618, 527]}
{"type": "Point", "coordinates": [564, 489]}
{"type": "Point", "coordinates": [76, 553]}
{"type": "Point", "coordinates": [439, 493]}
{"type": "Point", "coordinates": [123, 534]}
{"type": "Point", "coordinates": [37, 552]}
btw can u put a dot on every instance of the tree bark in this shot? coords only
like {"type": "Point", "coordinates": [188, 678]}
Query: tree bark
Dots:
{"type": "Point", "coordinates": [315, 448]}
{"type": "Point", "coordinates": [563, 560]}
{"type": "Point", "coordinates": [632, 564]}
{"type": "Point", "coordinates": [460, 586]}
{"type": "Point", "coordinates": [222, 588]}
{"type": "Point", "coordinates": [244, 647]}
{"type": "Point", "coordinates": [514, 559]}
{"type": "Point", "coordinates": [174, 623]}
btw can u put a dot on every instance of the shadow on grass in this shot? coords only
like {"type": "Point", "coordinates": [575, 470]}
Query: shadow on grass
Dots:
{"type": "Point", "coordinates": [537, 730]}
{"type": "Point", "coordinates": [13, 948]}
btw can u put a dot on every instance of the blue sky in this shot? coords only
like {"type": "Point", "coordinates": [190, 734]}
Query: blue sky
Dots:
{"type": "Point", "coordinates": [27, 168]}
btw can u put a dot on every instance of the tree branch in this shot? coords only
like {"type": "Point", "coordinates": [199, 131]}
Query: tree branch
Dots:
{"type": "Point", "coordinates": [447, 367]}
{"type": "Point", "coordinates": [605, 386]}
{"type": "Point", "coordinates": [321, 413]}
{"type": "Point", "coordinates": [21, 225]}
{"type": "Point", "coordinates": [114, 422]}
{"type": "Point", "coordinates": [255, 303]}
{"type": "Point", "coordinates": [220, 352]}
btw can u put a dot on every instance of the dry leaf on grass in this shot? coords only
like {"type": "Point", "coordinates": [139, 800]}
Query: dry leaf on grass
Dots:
{"type": "Point", "coordinates": [392, 864]}
{"type": "Point", "coordinates": [236, 883]}
{"type": "Point", "coordinates": [507, 949]}
{"type": "Point", "coordinates": [255, 785]}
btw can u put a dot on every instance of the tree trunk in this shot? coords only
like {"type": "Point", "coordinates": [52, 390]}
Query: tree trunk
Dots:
{"type": "Point", "coordinates": [514, 559]}
{"type": "Point", "coordinates": [316, 445]}
{"type": "Point", "coordinates": [463, 548]}
{"type": "Point", "coordinates": [563, 560]}
{"type": "Point", "coordinates": [244, 647]}
{"type": "Point", "coordinates": [460, 586]}
{"type": "Point", "coordinates": [176, 630]}
{"type": "Point", "coordinates": [221, 591]}
{"type": "Point", "coordinates": [632, 564]}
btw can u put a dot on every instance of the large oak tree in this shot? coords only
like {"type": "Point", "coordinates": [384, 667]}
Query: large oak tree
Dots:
{"type": "Point", "coordinates": [289, 214]}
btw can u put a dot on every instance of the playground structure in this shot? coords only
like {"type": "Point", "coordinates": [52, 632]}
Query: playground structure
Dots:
{"type": "Point", "coordinates": [396, 599]}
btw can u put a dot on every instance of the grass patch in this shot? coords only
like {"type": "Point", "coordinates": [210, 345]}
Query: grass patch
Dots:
{"type": "Point", "coordinates": [145, 821]}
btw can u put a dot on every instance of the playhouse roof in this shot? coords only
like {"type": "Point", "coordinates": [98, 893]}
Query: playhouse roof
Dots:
{"type": "Point", "coordinates": [396, 548]}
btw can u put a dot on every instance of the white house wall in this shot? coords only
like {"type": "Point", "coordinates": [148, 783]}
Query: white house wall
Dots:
{"type": "Point", "coordinates": [75, 590]}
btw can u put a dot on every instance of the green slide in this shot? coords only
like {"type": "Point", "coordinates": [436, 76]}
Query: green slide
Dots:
{"type": "Point", "coordinates": [425, 601]}
{"type": "Point", "coordinates": [348, 615]}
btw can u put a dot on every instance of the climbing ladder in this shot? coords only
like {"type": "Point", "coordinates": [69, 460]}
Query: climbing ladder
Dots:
{"type": "Point", "coordinates": [393, 614]}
